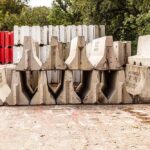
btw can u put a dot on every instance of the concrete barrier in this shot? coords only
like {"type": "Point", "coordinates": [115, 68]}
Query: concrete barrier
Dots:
{"type": "Point", "coordinates": [122, 50]}
{"type": "Point", "coordinates": [115, 88]}
{"type": "Point", "coordinates": [138, 81]}
{"type": "Point", "coordinates": [42, 95]}
{"type": "Point", "coordinates": [68, 94]}
{"type": "Point", "coordinates": [77, 59]}
{"type": "Point", "coordinates": [17, 95]}
{"type": "Point", "coordinates": [29, 60]}
{"type": "Point", "coordinates": [101, 54]}
{"type": "Point", "coordinates": [55, 58]}
{"type": "Point", "coordinates": [143, 53]}
{"type": "Point", "coordinates": [94, 93]}
{"type": "Point", "coordinates": [4, 88]}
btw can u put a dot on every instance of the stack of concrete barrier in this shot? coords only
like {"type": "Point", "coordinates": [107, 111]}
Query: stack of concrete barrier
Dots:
{"type": "Point", "coordinates": [98, 63]}
{"type": "Point", "coordinates": [138, 72]}
{"type": "Point", "coordinates": [42, 37]}
{"type": "Point", "coordinates": [87, 69]}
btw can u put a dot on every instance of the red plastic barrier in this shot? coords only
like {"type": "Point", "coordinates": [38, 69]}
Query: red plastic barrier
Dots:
{"type": "Point", "coordinates": [8, 55]}
{"type": "Point", "coordinates": [9, 39]}
{"type": "Point", "coordinates": [11, 55]}
{"type": "Point", "coordinates": [6, 47]}
{"type": "Point", "coordinates": [2, 39]}
{"type": "Point", "coordinates": [2, 55]}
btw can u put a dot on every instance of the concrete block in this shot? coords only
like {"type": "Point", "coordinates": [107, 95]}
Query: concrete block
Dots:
{"type": "Point", "coordinates": [44, 35]}
{"type": "Point", "coordinates": [4, 88]}
{"type": "Point", "coordinates": [116, 88]}
{"type": "Point", "coordinates": [24, 31]}
{"type": "Point", "coordinates": [50, 33]}
{"type": "Point", "coordinates": [54, 60]}
{"type": "Point", "coordinates": [138, 82]}
{"type": "Point", "coordinates": [85, 32]}
{"type": "Point", "coordinates": [29, 60]}
{"type": "Point", "coordinates": [96, 32]}
{"type": "Point", "coordinates": [77, 76]}
{"type": "Point", "coordinates": [16, 35]}
{"type": "Point", "coordinates": [94, 93]}
{"type": "Point", "coordinates": [17, 54]}
{"type": "Point", "coordinates": [77, 59]}
{"type": "Point", "coordinates": [56, 31]}
{"type": "Point", "coordinates": [54, 76]}
{"type": "Point", "coordinates": [68, 95]}
{"type": "Point", "coordinates": [102, 30]}
{"type": "Point", "coordinates": [44, 53]}
{"type": "Point", "coordinates": [97, 51]}
{"type": "Point", "coordinates": [143, 54]}
{"type": "Point", "coordinates": [9, 68]}
{"type": "Point", "coordinates": [62, 36]}
{"type": "Point", "coordinates": [68, 32]}
{"type": "Point", "coordinates": [73, 31]}
{"type": "Point", "coordinates": [36, 34]}
{"type": "Point", "coordinates": [122, 51]}
{"type": "Point", "coordinates": [91, 35]}
{"type": "Point", "coordinates": [79, 30]}
{"type": "Point", "coordinates": [43, 95]}
{"type": "Point", "coordinates": [17, 95]}
{"type": "Point", "coordinates": [54, 80]}
{"type": "Point", "coordinates": [102, 55]}
{"type": "Point", "coordinates": [30, 80]}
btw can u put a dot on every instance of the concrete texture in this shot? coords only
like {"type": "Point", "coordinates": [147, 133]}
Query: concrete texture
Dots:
{"type": "Point", "coordinates": [42, 95]}
{"type": "Point", "coordinates": [122, 50]}
{"type": "Point", "coordinates": [29, 60]}
{"type": "Point", "coordinates": [54, 60]}
{"type": "Point", "coordinates": [4, 88]}
{"type": "Point", "coordinates": [143, 54]}
{"type": "Point", "coordinates": [137, 83]}
{"type": "Point", "coordinates": [68, 94]}
{"type": "Point", "coordinates": [75, 128]}
{"type": "Point", "coordinates": [77, 59]}
{"type": "Point", "coordinates": [101, 54]}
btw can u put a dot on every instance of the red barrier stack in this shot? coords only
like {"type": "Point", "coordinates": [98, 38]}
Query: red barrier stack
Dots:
{"type": "Point", "coordinates": [6, 47]}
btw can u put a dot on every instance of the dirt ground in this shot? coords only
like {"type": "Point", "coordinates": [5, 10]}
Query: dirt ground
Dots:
{"type": "Point", "coordinates": [75, 128]}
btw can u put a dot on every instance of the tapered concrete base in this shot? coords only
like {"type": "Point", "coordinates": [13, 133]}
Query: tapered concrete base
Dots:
{"type": "Point", "coordinates": [118, 93]}
{"type": "Point", "coordinates": [43, 95]}
{"type": "Point", "coordinates": [17, 95]}
{"type": "Point", "coordinates": [95, 94]}
{"type": "Point", "coordinates": [68, 95]}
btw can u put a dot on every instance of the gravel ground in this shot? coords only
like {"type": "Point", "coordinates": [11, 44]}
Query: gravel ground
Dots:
{"type": "Point", "coordinates": [75, 127]}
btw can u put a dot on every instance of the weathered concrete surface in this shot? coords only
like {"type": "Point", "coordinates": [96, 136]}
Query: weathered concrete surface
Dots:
{"type": "Point", "coordinates": [77, 59]}
{"type": "Point", "coordinates": [138, 83]}
{"type": "Point", "coordinates": [4, 88]}
{"type": "Point", "coordinates": [17, 96]}
{"type": "Point", "coordinates": [118, 93]}
{"type": "Point", "coordinates": [29, 60]}
{"type": "Point", "coordinates": [75, 128]}
{"type": "Point", "coordinates": [122, 50]}
{"type": "Point", "coordinates": [95, 94]}
{"type": "Point", "coordinates": [55, 58]}
{"type": "Point", "coordinates": [68, 94]}
{"type": "Point", "coordinates": [101, 54]}
{"type": "Point", "coordinates": [143, 53]}
{"type": "Point", "coordinates": [42, 95]}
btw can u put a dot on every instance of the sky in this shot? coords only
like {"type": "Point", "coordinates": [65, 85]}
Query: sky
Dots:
{"type": "Point", "coordinates": [36, 3]}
